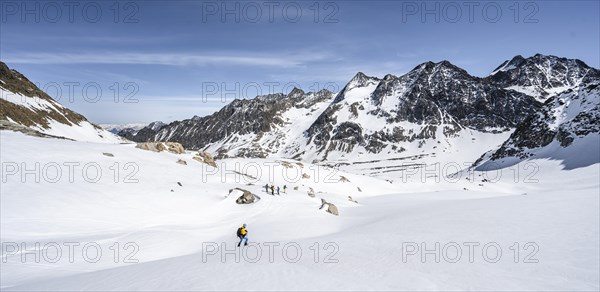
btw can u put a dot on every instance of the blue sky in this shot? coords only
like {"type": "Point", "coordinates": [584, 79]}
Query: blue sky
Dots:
{"type": "Point", "coordinates": [171, 60]}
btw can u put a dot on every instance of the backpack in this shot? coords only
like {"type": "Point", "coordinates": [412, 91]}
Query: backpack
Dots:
{"type": "Point", "coordinates": [239, 232]}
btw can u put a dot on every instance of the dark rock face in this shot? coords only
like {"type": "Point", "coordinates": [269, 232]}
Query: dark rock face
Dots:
{"type": "Point", "coordinates": [241, 117]}
{"type": "Point", "coordinates": [431, 94]}
{"type": "Point", "coordinates": [144, 134]}
{"type": "Point", "coordinates": [543, 74]}
{"type": "Point", "coordinates": [442, 91]}
{"type": "Point", "coordinates": [565, 117]}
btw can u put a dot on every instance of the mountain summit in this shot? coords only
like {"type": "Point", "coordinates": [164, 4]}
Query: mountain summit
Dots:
{"type": "Point", "coordinates": [542, 76]}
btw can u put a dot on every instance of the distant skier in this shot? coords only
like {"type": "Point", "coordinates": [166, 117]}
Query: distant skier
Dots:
{"type": "Point", "coordinates": [285, 189]}
{"type": "Point", "coordinates": [278, 192]}
{"type": "Point", "coordinates": [242, 234]}
{"type": "Point", "coordinates": [273, 190]}
{"type": "Point", "coordinates": [267, 188]}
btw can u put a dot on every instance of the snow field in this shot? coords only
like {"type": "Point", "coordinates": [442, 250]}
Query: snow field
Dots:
{"type": "Point", "coordinates": [386, 241]}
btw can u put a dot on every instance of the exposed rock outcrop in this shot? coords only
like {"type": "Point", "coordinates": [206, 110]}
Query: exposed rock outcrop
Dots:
{"type": "Point", "coordinates": [205, 157]}
{"type": "Point", "coordinates": [331, 208]}
{"type": "Point", "coordinates": [172, 147]}
{"type": "Point", "coordinates": [246, 198]}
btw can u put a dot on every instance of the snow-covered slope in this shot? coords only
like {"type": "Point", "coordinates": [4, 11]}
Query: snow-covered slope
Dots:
{"type": "Point", "coordinates": [567, 128]}
{"type": "Point", "coordinates": [24, 107]}
{"type": "Point", "coordinates": [546, 225]}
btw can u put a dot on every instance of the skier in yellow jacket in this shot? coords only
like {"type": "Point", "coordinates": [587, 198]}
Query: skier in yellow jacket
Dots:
{"type": "Point", "coordinates": [242, 235]}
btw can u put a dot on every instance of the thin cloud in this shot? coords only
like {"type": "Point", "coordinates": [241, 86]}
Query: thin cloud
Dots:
{"type": "Point", "coordinates": [169, 59]}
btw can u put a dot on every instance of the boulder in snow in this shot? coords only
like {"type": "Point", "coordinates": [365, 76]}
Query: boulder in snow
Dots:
{"type": "Point", "coordinates": [311, 192]}
{"type": "Point", "coordinates": [331, 208]}
{"type": "Point", "coordinates": [172, 147]}
{"type": "Point", "coordinates": [181, 161]}
{"type": "Point", "coordinates": [205, 157]}
{"type": "Point", "coordinates": [285, 164]}
{"type": "Point", "coordinates": [246, 197]}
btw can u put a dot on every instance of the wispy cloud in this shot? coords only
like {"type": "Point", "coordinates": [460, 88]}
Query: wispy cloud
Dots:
{"type": "Point", "coordinates": [85, 39]}
{"type": "Point", "coordinates": [170, 59]}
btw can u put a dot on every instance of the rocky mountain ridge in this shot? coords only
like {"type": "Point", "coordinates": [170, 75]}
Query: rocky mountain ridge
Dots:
{"type": "Point", "coordinates": [428, 105]}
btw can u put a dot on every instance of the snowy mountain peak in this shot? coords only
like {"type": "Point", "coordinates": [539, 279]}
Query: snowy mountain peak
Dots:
{"type": "Point", "coordinates": [389, 77]}
{"type": "Point", "coordinates": [360, 80]}
{"type": "Point", "coordinates": [542, 76]}
{"type": "Point", "coordinates": [446, 63]}
{"type": "Point", "coordinates": [436, 72]}
{"type": "Point", "coordinates": [447, 66]}
{"type": "Point", "coordinates": [296, 93]}
{"type": "Point", "coordinates": [509, 64]}
{"type": "Point", "coordinates": [158, 124]}
{"type": "Point", "coordinates": [359, 77]}
{"type": "Point", "coordinates": [430, 65]}
{"type": "Point", "coordinates": [116, 128]}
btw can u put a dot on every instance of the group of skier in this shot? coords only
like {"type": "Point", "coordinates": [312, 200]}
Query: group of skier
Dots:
{"type": "Point", "coordinates": [242, 232]}
{"type": "Point", "coordinates": [273, 189]}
